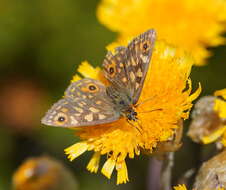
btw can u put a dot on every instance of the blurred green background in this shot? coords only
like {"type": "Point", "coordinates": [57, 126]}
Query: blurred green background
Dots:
{"type": "Point", "coordinates": [41, 45]}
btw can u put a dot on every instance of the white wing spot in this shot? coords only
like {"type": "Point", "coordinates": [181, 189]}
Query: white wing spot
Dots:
{"type": "Point", "coordinates": [64, 110]}
{"type": "Point", "coordinates": [94, 110]}
{"type": "Point", "coordinates": [80, 104]}
{"type": "Point", "coordinates": [124, 79]}
{"type": "Point", "coordinates": [83, 103]}
{"type": "Point", "coordinates": [57, 108]}
{"type": "Point", "coordinates": [139, 73]}
{"type": "Point", "coordinates": [144, 58]}
{"type": "Point", "coordinates": [101, 116]}
{"type": "Point", "coordinates": [132, 76]}
{"type": "Point", "coordinates": [73, 120]}
{"type": "Point", "coordinates": [133, 62]}
{"type": "Point", "coordinates": [80, 110]}
{"type": "Point", "coordinates": [89, 117]}
{"type": "Point", "coordinates": [98, 102]}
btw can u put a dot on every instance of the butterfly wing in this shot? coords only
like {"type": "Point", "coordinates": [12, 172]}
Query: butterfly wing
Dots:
{"type": "Point", "coordinates": [127, 68]}
{"type": "Point", "coordinates": [114, 67]}
{"type": "Point", "coordinates": [139, 53]}
{"type": "Point", "coordinates": [85, 104]}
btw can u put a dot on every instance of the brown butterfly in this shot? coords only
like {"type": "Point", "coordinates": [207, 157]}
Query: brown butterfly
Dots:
{"type": "Point", "coordinates": [88, 102]}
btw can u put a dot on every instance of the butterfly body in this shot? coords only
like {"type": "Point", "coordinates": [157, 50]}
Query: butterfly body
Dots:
{"type": "Point", "coordinates": [88, 102]}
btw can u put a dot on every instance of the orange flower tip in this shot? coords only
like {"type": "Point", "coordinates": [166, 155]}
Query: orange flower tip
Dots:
{"type": "Point", "coordinates": [108, 167]}
{"type": "Point", "coordinates": [122, 173]}
{"type": "Point", "coordinates": [93, 164]}
{"type": "Point", "coordinates": [180, 187]}
{"type": "Point", "coordinates": [76, 150]}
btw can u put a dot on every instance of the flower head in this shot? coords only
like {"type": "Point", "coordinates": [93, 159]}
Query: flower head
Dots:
{"type": "Point", "coordinates": [191, 24]}
{"type": "Point", "coordinates": [209, 119]}
{"type": "Point", "coordinates": [43, 173]}
{"type": "Point", "coordinates": [212, 173]}
{"type": "Point", "coordinates": [165, 99]}
{"type": "Point", "coordinates": [180, 187]}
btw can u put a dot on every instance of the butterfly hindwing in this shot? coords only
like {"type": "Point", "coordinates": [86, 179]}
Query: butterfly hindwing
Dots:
{"type": "Point", "coordinates": [85, 103]}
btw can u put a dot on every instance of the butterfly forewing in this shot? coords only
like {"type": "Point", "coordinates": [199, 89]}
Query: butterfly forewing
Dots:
{"type": "Point", "coordinates": [127, 68]}
{"type": "Point", "coordinates": [114, 67]}
{"type": "Point", "coordinates": [138, 54]}
{"type": "Point", "coordinates": [85, 103]}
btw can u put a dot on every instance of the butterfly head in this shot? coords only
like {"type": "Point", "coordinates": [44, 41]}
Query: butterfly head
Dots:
{"type": "Point", "coordinates": [131, 114]}
{"type": "Point", "coordinates": [57, 115]}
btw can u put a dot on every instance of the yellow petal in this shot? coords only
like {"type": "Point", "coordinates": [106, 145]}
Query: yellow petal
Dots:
{"type": "Point", "coordinates": [220, 108]}
{"type": "Point", "coordinates": [75, 78]}
{"type": "Point", "coordinates": [195, 94]}
{"type": "Point", "coordinates": [180, 187]}
{"type": "Point", "coordinates": [93, 164]}
{"type": "Point", "coordinates": [214, 136]}
{"type": "Point", "coordinates": [108, 168]}
{"type": "Point", "coordinates": [221, 93]}
{"type": "Point", "coordinates": [88, 71]}
{"type": "Point", "coordinates": [76, 150]}
{"type": "Point", "coordinates": [223, 140]}
{"type": "Point", "coordinates": [122, 173]}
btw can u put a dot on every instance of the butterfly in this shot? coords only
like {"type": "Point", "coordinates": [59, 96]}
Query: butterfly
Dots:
{"type": "Point", "coordinates": [89, 102]}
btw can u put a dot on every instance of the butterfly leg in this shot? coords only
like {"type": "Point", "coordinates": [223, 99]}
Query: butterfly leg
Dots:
{"type": "Point", "coordinates": [138, 127]}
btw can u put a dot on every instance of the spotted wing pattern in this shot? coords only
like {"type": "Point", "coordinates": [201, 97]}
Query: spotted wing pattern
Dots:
{"type": "Point", "coordinates": [85, 103]}
{"type": "Point", "coordinates": [139, 53]}
{"type": "Point", "coordinates": [127, 68]}
{"type": "Point", "coordinates": [114, 67]}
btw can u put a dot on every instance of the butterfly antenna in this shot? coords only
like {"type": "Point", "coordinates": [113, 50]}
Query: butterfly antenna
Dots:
{"type": "Point", "coordinates": [160, 109]}
{"type": "Point", "coordinates": [147, 100]}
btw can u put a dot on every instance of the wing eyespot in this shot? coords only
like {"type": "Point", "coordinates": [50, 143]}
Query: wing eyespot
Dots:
{"type": "Point", "coordinates": [60, 119]}
{"type": "Point", "coordinates": [90, 87]}
{"type": "Point", "coordinates": [111, 70]}
{"type": "Point", "coordinates": [145, 46]}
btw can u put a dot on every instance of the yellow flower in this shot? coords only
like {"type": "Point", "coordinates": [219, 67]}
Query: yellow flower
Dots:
{"type": "Point", "coordinates": [180, 187]}
{"type": "Point", "coordinates": [166, 88]}
{"type": "Point", "coordinates": [43, 173]}
{"type": "Point", "coordinates": [209, 119]}
{"type": "Point", "coordinates": [220, 109]}
{"type": "Point", "coordinates": [183, 187]}
{"type": "Point", "coordinates": [191, 24]}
